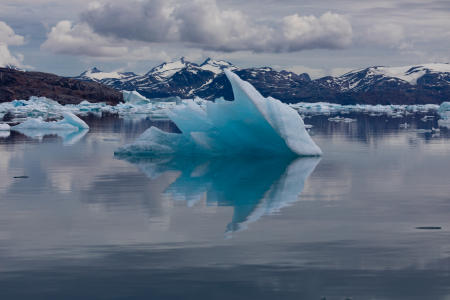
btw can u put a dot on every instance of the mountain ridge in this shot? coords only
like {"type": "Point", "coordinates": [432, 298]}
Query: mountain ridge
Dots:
{"type": "Point", "coordinates": [416, 84]}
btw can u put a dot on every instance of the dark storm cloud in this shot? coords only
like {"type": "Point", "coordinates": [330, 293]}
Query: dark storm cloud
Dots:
{"type": "Point", "coordinates": [146, 21]}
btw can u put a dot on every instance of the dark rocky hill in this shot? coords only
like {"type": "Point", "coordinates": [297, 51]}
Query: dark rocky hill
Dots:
{"type": "Point", "coordinates": [16, 84]}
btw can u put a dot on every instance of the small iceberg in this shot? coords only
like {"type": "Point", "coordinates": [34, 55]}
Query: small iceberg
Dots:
{"type": "Point", "coordinates": [5, 127]}
{"type": "Point", "coordinates": [249, 125]}
{"type": "Point", "coordinates": [444, 113]}
{"type": "Point", "coordinates": [70, 122]}
{"type": "Point", "coordinates": [133, 97]}
{"type": "Point", "coordinates": [71, 128]}
{"type": "Point", "coordinates": [444, 110]}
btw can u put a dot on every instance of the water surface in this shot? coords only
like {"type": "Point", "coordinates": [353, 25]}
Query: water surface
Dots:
{"type": "Point", "coordinates": [88, 225]}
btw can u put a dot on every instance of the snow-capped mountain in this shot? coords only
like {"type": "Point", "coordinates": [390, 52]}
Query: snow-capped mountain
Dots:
{"type": "Point", "coordinates": [96, 75]}
{"type": "Point", "coordinates": [366, 79]}
{"type": "Point", "coordinates": [429, 83]}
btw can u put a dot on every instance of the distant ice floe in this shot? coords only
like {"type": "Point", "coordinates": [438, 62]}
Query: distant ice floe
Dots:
{"type": "Point", "coordinates": [341, 119]}
{"type": "Point", "coordinates": [325, 108]}
{"type": "Point", "coordinates": [134, 97]}
{"type": "Point", "coordinates": [48, 108]}
{"type": "Point", "coordinates": [249, 125]}
{"type": "Point", "coordinates": [71, 128]}
{"type": "Point", "coordinates": [70, 122]}
{"type": "Point", "coordinates": [444, 113]}
{"type": "Point", "coordinates": [136, 105]}
{"type": "Point", "coordinates": [4, 130]}
{"type": "Point", "coordinates": [5, 127]}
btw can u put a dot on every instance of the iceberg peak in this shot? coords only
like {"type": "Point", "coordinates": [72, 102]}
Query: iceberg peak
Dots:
{"type": "Point", "coordinates": [250, 125]}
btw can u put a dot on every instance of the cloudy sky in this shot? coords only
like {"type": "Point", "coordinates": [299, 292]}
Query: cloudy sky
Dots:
{"type": "Point", "coordinates": [320, 37]}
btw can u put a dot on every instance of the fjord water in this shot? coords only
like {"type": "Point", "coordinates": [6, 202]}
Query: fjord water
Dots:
{"type": "Point", "coordinates": [79, 223]}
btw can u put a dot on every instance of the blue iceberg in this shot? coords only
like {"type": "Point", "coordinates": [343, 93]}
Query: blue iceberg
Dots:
{"type": "Point", "coordinates": [249, 125]}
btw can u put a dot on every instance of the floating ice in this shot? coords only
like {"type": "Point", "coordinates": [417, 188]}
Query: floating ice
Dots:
{"type": "Point", "coordinates": [249, 125]}
{"type": "Point", "coordinates": [134, 97]}
{"type": "Point", "coordinates": [157, 108]}
{"type": "Point", "coordinates": [4, 127]}
{"type": "Point", "coordinates": [444, 113]}
{"type": "Point", "coordinates": [325, 108]}
{"type": "Point", "coordinates": [4, 130]}
{"type": "Point", "coordinates": [341, 119]}
{"type": "Point", "coordinates": [444, 110]}
{"type": "Point", "coordinates": [70, 123]}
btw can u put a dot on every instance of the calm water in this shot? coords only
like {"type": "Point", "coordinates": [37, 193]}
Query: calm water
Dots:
{"type": "Point", "coordinates": [87, 225]}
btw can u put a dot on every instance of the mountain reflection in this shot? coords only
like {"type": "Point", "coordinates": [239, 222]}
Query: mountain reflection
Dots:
{"type": "Point", "coordinates": [253, 187]}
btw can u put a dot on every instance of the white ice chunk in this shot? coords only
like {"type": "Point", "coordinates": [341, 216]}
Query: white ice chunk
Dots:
{"type": "Point", "coordinates": [4, 127]}
{"type": "Point", "coordinates": [444, 110]}
{"type": "Point", "coordinates": [444, 123]}
{"type": "Point", "coordinates": [251, 124]}
{"type": "Point", "coordinates": [134, 97]}
{"type": "Point", "coordinates": [73, 120]}
{"type": "Point", "coordinates": [70, 122]}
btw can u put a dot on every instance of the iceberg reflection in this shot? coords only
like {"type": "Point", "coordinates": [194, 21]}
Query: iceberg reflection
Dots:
{"type": "Point", "coordinates": [69, 137]}
{"type": "Point", "coordinates": [254, 187]}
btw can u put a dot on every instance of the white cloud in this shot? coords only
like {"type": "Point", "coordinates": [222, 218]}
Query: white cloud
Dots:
{"type": "Point", "coordinates": [6, 58]}
{"type": "Point", "coordinates": [203, 24]}
{"type": "Point", "coordinates": [328, 31]}
{"type": "Point", "coordinates": [9, 38]}
{"type": "Point", "coordinates": [79, 39]}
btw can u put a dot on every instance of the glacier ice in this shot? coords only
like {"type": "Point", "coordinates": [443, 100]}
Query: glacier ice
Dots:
{"type": "Point", "coordinates": [444, 113]}
{"type": "Point", "coordinates": [249, 125]}
{"type": "Point", "coordinates": [254, 187]}
{"type": "Point", "coordinates": [70, 122]}
{"type": "Point", "coordinates": [444, 110]}
{"type": "Point", "coordinates": [134, 97]}
{"type": "Point", "coordinates": [4, 127]}
{"type": "Point", "coordinates": [157, 108]}
{"type": "Point", "coordinates": [73, 120]}
{"type": "Point", "coordinates": [325, 108]}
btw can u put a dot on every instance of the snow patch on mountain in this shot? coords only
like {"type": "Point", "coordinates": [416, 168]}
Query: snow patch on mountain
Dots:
{"type": "Point", "coordinates": [185, 79]}
{"type": "Point", "coordinates": [216, 66]}
{"type": "Point", "coordinates": [167, 69]}
{"type": "Point", "coordinates": [98, 75]}
{"type": "Point", "coordinates": [410, 74]}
